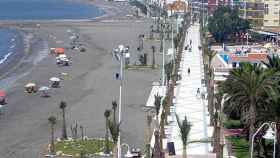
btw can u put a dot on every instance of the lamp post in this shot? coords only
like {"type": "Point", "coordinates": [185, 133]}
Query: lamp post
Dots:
{"type": "Point", "coordinates": [270, 134]}
{"type": "Point", "coordinates": [128, 153]}
{"type": "Point", "coordinates": [119, 54]}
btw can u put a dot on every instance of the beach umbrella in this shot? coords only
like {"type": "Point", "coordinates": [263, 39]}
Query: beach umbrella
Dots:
{"type": "Point", "coordinates": [54, 79]}
{"type": "Point", "coordinates": [30, 85]}
{"type": "Point", "coordinates": [44, 88]}
{"type": "Point", "coordinates": [64, 59]}
{"type": "Point", "coordinates": [62, 56]}
{"type": "Point", "coordinates": [2, 93]}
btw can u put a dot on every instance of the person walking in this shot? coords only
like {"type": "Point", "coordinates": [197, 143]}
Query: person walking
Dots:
{"type": "Point", "coordinates": [189, 71]}
{"type": "Point", "coordinates": [190, 42]}
{"type": "Point", "coordinates": [197, 91]}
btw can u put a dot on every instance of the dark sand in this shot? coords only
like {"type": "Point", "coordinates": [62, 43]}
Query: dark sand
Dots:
{"type": "Point", "coordinates": [89, 89]}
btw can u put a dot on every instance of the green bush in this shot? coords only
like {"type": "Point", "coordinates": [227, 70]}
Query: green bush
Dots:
{"type": "Point", "coordinates": [240, 147]}
{"type": "Point", "coordinates": [233, 124]}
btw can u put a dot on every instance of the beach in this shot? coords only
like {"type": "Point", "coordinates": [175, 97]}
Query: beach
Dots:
{"type": "Point", "coordinates": [89, 88]}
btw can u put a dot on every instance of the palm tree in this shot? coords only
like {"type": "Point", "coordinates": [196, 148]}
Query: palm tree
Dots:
{"type": "Point", "coordinates": [157, 104]}
{"type": "Point", "coordinates": [107, 114]}
{"type": "Point", "coordinates": [218, 125]}
{"type": "Point", "coordinates": [52, 121]}
{"type": "Point", "coordinates": [273, 62]}
{"type": "Point", "coordinates": [246, 86]}
{"type": "Point", "coordinates": [114, 128]}
{"type": "Point", "coordinates": [62, 106]}
{"type": "Point", "coordinates": [185, 128]}
{"type": "Point", "coordinates": [114, 107]}
{"type": "Point", "coordinates": [154, 58]}
{"type": "Point", "coordinates": [148, 134]}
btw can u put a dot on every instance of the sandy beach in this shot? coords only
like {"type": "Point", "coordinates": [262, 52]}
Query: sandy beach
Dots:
{"type": "Point", "coordinates": [88, 90]}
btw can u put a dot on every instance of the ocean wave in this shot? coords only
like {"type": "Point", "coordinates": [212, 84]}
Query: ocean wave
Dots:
{"type": "Point", "coordinates": [5, 57]}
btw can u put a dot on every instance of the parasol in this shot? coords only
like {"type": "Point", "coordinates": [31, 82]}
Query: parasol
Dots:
{"type": "Point", "coordinates": [44, 88]}
{"type": "Point", "coordinates": [30, 85]}
{"type": "Point", "coordinates": [54, 79]}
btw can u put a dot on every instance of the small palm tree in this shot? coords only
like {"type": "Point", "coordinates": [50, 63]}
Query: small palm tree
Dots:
{"type": "Point", "coordinates": [114, 128]}
{"type": "Point", "coordinates": [114, 107]}
{"type": "Point", "coordinates": [52, 121]}
{"type": "Point", "coordinates": [185, 128]}
{"type": "Point", "coordinates": [148, 134]}
{"type": "Point", "coordinates": [107, 114]}
{"type": "Point", "coordinates": [63, 106]}
{"type": "Point", "coordinates": [154, 58]}
{"type": "Point", "coordinates": [157, 104]}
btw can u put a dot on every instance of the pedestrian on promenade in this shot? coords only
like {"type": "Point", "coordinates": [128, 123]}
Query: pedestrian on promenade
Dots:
{"type": "Point", "coordinates": [189, 71]}
{"type": "Point", "coordinates": [190, 42]}
{"type": "Point", "coordinates": [198, 92]}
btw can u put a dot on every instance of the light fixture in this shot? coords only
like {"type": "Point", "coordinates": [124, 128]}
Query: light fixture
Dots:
{"type": "Point", "coordinates": [128, 154]}
{"type": "Point", "coordinates": [269, 134]}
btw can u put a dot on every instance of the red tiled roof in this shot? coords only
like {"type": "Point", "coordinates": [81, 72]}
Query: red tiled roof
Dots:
{"type": "Point", "coordinates": [250, 57]}
{"type": "Point", "coordinates": [177, 6]}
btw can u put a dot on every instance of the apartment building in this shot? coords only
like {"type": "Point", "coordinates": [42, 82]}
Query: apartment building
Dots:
{"type": "Point", "coordinates": [253, 10]}
{"type": "Point", "coordinates": [271, 13]}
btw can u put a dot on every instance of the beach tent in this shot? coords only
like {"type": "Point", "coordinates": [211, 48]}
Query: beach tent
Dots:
{"type": "Point", "coordinates": [44, 90]}
{"type": "Point", "coordinates": [59, 51]}
{"type": "Point", "coordinates": [55, 82]}
{"type": "Point", "coordinates": [30, 87]}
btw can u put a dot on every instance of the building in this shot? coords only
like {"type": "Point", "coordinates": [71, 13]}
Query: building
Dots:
{"type": "Point", "coordinates": [176, 7]}
{"type": "Point", "coordinates": [271, 13]}
{"type": "Point", "coordinates": [253, 10]}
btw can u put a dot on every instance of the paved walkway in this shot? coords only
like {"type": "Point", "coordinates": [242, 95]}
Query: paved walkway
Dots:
{"type": "Point", "coordinates": [188, 103]}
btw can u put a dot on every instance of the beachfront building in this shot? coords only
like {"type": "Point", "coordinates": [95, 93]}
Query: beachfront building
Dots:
{"type": "Point", "coordinates": [253, 10]}
{"type": "Point", "coordinates": [231, 57]}
{"type": "Point", "coordinates": [176, 7]}
{"type": "Point", "coordinates": [271, 13]}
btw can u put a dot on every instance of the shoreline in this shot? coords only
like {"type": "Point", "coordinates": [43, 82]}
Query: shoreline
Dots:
{"type": "Point", "coordinates": [24, 50]}
{"type": "Point", "coordinates": [89, 89]}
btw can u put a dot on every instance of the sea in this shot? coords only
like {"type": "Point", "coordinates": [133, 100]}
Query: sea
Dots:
{"type": "Point", "coordinates": [38, 10]}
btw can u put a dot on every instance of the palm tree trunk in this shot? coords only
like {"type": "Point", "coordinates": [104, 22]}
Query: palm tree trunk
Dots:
{"type": "Point", "coordinates": [52, 140]}
{"type": "Point", "coordinates": [184, 151]}
{"type": "Point", "coordinates": [107, 150]}
{"type": "Point", "coordinates": [278, 138]}
{"type": "Point", "coordinates": [154, 60]}
{"type": "Point", "coordinates": [64, 130]}
{"type": "Point", "coordinates": [115, 150]}
{"type": "Point", "coordinates": [252, 115]}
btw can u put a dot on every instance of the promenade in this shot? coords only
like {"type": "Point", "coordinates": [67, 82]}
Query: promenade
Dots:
{"type": "Point", "coordinates": [188, 102]}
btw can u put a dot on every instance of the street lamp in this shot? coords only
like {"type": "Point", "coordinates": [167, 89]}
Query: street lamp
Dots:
{"type": "Point", "coordinates": [128, 153]}
{"type": "Point", "coordinates": [270, 134]}
{"type": "Point", "coordinates": [119, 54]}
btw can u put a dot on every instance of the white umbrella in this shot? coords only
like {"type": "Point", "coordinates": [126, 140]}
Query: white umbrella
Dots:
{"type": "Point", "coordinates": [64, 59]}
{"type": "Point", "coordinates": [54, 79]}
{"type": "Point", "coordinates": [44, 88]}
{"type": "Point", "coordinates": [62, 56]}
{"type": "Point", "coordinates": [30, 85]}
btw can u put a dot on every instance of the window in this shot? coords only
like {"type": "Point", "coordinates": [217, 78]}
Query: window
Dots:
{"type": "Point", "coordinates": [276, 21]}
{"type": "Point", "coordinates": [266, 9]}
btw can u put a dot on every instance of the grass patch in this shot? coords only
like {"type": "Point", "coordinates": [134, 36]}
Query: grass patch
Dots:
{"type": "Point", "coordinates": [136, 67]}
{"type": "Point", "coordinates": [233, 124]}
{"type": "Point", "coordinates": [240, 147]}
{"type": "Point", "coordinates": [91, 146]}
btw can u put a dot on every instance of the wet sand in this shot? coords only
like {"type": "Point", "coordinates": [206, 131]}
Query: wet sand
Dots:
{"type": "Point", "coordinates": [89, 89]}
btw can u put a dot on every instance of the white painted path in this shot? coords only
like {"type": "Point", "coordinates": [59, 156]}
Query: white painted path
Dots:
{"type": "Point", "coordinates": [187, 103]}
